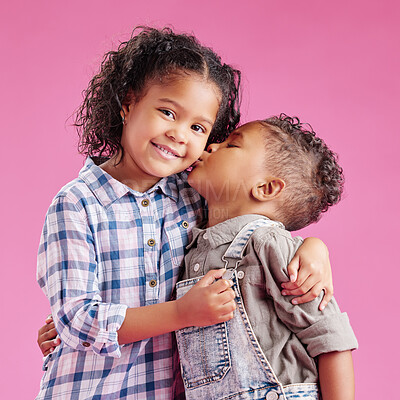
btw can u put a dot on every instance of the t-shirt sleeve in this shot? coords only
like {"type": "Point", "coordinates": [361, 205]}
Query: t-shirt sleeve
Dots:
{"type": "Point", "coordinates": [319, 331]}
{"type": "Point", "coordinates": [67, 273]}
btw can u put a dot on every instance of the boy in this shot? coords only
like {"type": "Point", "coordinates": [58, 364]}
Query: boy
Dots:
{"type": "Point", "coordinates": [266, 171]}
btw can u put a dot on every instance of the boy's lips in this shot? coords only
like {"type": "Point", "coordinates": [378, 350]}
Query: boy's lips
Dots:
{"type": "Point", "coordinates": [166, 149]}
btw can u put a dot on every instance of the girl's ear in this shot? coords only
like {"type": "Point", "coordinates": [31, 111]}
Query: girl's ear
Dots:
{"type": "Point", "coordinates": [126, 105]}
{"type": "Point", "coordinates": [268, 190]}
{"type": "Point", "coordinates": [124, 111]}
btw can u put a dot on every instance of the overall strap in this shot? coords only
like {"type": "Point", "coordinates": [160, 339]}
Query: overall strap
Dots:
{"type": "Point", "coordinates": [236, 248]}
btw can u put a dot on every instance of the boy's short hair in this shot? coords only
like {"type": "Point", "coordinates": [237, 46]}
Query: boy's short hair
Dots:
{"type": "Point", "coordinates": [314, 180]}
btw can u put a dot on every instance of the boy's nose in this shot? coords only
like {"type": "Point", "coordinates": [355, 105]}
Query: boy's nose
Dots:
{"type": "Point", "coordinates": [212, 147]}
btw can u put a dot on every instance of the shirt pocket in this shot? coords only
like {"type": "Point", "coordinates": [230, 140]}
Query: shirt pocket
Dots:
{"type": "Point", "coordinates": [178, 234]}
{"type": "Point", "coordinates": [203, 351]}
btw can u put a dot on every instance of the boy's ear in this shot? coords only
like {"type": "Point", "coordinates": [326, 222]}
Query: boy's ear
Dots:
{"type": "Point", "coordinates": [268, 190]}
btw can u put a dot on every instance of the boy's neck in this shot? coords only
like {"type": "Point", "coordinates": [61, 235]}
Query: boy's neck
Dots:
{"type": "Point", "coordinates": [218, 213]}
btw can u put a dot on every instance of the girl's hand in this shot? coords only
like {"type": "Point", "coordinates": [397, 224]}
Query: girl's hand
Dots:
{"type": "Point", "coordinates": [47, 337]}
{"type": "Point", "coordinates": [208, 302]}
{"type": "Point", "coordinates": [310, 273]}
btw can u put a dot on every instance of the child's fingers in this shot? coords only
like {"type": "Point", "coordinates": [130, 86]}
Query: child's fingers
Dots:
{"type": "Point", "coordinates": [310, 295]}
{"type": "Point", "coordinates": [293, 268]}
{"type": "Point", "coordinates": [50, 335]}
{"type": "Point", "coordinates": [227, 296]}
{"type": "Point", "coordinates": [226, 317]}
{"type": "Point", "coordinates": [328, 294]}
{"type": "Point", "coordinates": [210, 277]}
{"type": "Point", "coordinates": [49, 319]}
{"type": "Point", "coordinates": [221, 286]}
{"type": "Point", "coordinates": [47, 352]}
{"type": "Point", "coordinates": [46, 328]}
{"type": "Point", "coordinates": [48, 346]}
{"type": "Point", "coordinates": [306, 286]}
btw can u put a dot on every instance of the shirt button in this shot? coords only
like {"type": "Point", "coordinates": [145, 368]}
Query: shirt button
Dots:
{"type": "Point", "coordinates": [205, 236]}
{"type": "Point", "coordinates": [151, 242]}
{"type": "Point", "coordinates": [86, 344]}
{"type": "Point", "coordinates": [272, 396]}
{"type": "Point", "coordinates": [145, 203]}
{"type": "Point", "coordinates": [185, 224]}
{"type": "Point", "coordinates": [153, 283]}
{"type": "Point", "coordinates": [240, 274]}
{"type": "Point", "coordinates": [196, 267]}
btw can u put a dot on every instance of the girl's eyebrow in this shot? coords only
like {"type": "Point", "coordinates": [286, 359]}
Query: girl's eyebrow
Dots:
{"type": "Point", "coordinates": [177, 105]}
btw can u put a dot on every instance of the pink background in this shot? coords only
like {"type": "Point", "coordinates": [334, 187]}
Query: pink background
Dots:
{"type": "Point", "coordinates": [334, 64]}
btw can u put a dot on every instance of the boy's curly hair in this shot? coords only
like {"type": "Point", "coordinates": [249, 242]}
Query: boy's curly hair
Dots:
{"type": "Point", "coordinates": [314, 180]}
{"type": "Point", "coordinates": [150, 54]}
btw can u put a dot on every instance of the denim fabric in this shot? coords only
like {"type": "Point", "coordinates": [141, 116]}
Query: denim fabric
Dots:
{"type": "Point", "coordinates": [225, 361]}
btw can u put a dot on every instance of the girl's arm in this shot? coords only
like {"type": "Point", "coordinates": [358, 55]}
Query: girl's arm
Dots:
{"type": "Point", "coordinates": [68, 274]}
{"type": "Point", "coordinates": [336, 375]}
{"type": "Point", "coordinates": [310, 273]}
{"type": "Point", "coordinates": [207, 303]}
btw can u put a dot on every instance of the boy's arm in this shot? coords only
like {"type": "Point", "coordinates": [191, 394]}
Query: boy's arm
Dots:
{"type": "Point", "coordinates": [336, 375]}
{"type": "Point", "coordinates": [319, 331]}
{"type": "Point", "coordinates": [310, 273]}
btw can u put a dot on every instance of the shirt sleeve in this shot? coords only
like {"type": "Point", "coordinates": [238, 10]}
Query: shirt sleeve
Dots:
{"type": "Point", "coordinates": [319, 331]}
{"type": "Point", "coordinates": [67, 273]}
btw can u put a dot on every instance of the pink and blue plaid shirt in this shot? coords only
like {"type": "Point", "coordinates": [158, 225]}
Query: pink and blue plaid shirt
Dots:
{"type": "Point", "coordinates": [104, 248]}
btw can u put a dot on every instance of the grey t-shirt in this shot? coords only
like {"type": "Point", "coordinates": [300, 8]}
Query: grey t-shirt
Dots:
{"type": "Point", "coordinates": [290, 335]}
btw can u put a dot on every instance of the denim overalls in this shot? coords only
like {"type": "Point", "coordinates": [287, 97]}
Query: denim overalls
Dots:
{"type": "Point", "coordinates": [225, 361]}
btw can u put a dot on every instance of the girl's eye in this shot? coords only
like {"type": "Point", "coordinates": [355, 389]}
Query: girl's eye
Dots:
{"type": "Point", "coordinates": [198, 128]}
{"type": "Point", "coordinates": [231, 145]}
{"type": "Point", "coordinates": [168, 113]}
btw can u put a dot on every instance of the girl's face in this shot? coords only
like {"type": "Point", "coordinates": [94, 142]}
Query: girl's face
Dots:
{"type": "Point", "coordinates": [167, 129]}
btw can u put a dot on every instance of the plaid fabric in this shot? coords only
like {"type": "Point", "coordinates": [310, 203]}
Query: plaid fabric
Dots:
{"type": "Point", "coordinates": [104, 248]}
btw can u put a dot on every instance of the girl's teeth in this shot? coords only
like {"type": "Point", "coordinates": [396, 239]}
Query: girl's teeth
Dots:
{"type": "Point", "coordinates": [165, 151]}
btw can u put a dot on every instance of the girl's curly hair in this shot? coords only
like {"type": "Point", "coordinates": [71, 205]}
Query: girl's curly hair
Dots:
{"type": "Point", "coordinates": [150, 54]}
{"type": "Point", "coordinates": [310, 169]}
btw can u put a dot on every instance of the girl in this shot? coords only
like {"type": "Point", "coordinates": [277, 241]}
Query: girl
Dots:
{"type": "Point", "coordinates": [114, 237]}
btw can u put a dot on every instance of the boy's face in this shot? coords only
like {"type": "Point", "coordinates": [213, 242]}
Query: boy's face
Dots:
{"type": "Point", "coordinates": [167, 129]}
{"type": "Point", "coordinates": [227, 171]}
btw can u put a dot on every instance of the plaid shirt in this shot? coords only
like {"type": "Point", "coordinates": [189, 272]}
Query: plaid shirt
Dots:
{"type": "Point", "coordinates": [104, 248]}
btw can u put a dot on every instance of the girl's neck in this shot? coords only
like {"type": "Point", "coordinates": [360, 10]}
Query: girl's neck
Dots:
{"type": "Point", "coordinates": [128, 174]}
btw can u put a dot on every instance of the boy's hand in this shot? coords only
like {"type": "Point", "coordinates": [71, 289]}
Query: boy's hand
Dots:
{"type": "Point", "coordinates": [47, 337]}
{"type": "Point", "coordinates": [208, 302]}
{"type": "Point", "coordinates": [310, 273]}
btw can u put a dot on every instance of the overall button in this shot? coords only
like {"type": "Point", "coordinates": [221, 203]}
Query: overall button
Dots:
{"type": "Point", "coordinates": [272, 396]}
{"type": "Point", "coordinates": [151, 242]}
{"type": "Point", "coordinates": [145, 203]}
{"type": "Point", "coordinates": [240, 274]}
{"type": "Point", "coordinates": [86, 344]}
{"type": "Point", "coordinates": [196, 267]}
{"type": "Point", "coordinates": [185, 224]}
{"type": "Point", "coordinates": [205, 236]}
{"type": "Point", "coordinates": [153, 283]}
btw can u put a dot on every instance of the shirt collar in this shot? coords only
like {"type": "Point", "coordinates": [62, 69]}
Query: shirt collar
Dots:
{"type": "Point", "coordinates": [223, 232]}
{"type": "Point", "coordinates": [107, 189]}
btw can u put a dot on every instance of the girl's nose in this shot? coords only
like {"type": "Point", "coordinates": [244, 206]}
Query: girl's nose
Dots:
{"type": "Point", "coordinates": [178, 135]}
